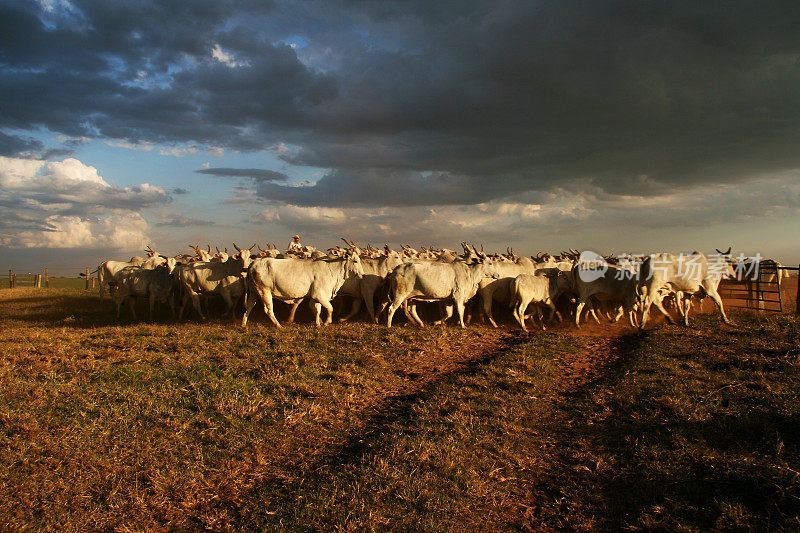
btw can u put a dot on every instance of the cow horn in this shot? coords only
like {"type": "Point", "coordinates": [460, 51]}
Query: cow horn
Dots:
{"type": "Point", "coordinates": [237, 248]}
{"type": "Point", "coordinates": [251, 248]}
{"type": "Point", "coordinates": [261, 249]}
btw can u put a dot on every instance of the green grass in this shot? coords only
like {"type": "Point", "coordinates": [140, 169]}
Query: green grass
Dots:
{"type": "Point", "coordinates": [206, 426]}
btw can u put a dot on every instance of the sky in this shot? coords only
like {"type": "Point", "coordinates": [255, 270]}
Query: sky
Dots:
{"type": "Point", "coordinates": [612, 126]}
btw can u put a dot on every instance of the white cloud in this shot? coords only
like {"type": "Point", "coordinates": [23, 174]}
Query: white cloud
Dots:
{"type": "Point", "coordinates": [227, 58]}
{"type": "Point", "coordinates": [68, 204]}
{"type": "Point", "coordinates": [33, 174]}
{"type": "Point", "coordinates": [16, 173]}
{"type": "Point", "coordinates": [293, 214]}
{"type": "Point", "coordinates": [139, 146]}
{"type": "Point", "coordinates": [118, 230]}
{"type": "Point", "coordinates": [216, 151]}
{"type": "Point", "coordinates": [69, 138]}
{"type": "Point", "coordinates": [71, 171]}
{"type": "Point", "coordinates": [178, 152]}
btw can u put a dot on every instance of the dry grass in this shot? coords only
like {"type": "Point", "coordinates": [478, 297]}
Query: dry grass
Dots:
{"type": "Point", "coordinates": [205, 426]}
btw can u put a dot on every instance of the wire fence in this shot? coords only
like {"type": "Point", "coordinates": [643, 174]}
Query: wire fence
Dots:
{"type": "Point", "coordinates": [43, 280]}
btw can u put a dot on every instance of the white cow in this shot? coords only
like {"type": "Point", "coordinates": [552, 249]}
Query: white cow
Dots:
{"type": "Point", "coordinates": [213, 277]}
{"type": "Point", "coordinates": [689, 274]}
{"type": "Point", "coordinates": [540, 289]}
{"type": "Point", "coordinates": [107, 272]}
{"type": "Point", "coordinates": [501, 289]}
{"type": "Point", "coordinates": [454, 282]}
{"type": "Point", "coordinates": [364, 288]}
{"type": "Point", "coordinates": [616, 286]}
{"type": "Point", "coordinates": [291, 280]}
{"type": "Point", "coordinates": [153, 283]}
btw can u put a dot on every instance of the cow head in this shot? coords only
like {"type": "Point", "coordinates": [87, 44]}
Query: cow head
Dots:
{"type": "Point", "coordinates": [243, 257]}
{"type": "Point", "coordinates": [169, 262]}
{"type": "Point", "coordinates": [353, 264]}
{"type": "Point", "coordinates": [561, 283]}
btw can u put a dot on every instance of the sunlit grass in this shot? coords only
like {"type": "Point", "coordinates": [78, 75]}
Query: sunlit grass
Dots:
{"type": "Point", "coordinates": [191, 426]}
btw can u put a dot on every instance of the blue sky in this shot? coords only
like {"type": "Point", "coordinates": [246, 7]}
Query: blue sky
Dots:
{"type": "Point", "coordinates": [612, 126]}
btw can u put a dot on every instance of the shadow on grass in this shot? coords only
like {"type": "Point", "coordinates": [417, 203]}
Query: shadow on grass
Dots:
{"type": "Point", "coordinates": [669, 472]}
{"type": "Point", "coordinates": [372, 437]}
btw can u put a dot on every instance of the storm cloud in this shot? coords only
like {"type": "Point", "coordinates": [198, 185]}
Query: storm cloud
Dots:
{"type": "Point", "coordinates": [252, 173]}
{"type": "Point", "coordinates": [415, 105]}
{"type": "Point", "coordinates": [528, 94]}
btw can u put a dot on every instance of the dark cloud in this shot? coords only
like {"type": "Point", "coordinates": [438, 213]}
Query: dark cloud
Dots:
{"type": "Point", "coordinates": [421, 102]}
{"type": "Point", "coordinates": [257, 174]}
{"type": "Point", "coordinates": [179, 190]}
{"type": "Point", "coordinates": [389, 187]}
{"type": "Point", "coordinates": [12, 145]}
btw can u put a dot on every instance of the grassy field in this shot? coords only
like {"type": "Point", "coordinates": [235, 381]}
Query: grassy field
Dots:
{"type": "Point", "coordinates": [359, 427]}
{"type": "Point", "coordinates": [55, 282]}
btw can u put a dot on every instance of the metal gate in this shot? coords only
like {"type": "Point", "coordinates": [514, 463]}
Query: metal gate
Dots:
{"type": "Point", "coordinates": [759, 290]}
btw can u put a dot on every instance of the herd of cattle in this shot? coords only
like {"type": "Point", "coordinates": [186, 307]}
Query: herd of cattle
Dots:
{"type": "Point", "coordinates": [387, 280]}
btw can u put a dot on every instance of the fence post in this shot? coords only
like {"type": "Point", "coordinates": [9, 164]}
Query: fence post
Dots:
{"type": "Point", "coordinates": [87, 278]}
{"type": "Point", "coordinates": [92, 282]}
{"type": "Point", "coordinates": [37, 280]}
{"type": "Point", "coordinates": [10, 278]}
{"type": "Point", "coordinates": [797, 302]}
{"type": "Point", "coordinates": [46, 278]}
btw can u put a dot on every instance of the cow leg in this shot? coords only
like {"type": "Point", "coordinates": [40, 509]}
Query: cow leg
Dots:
{"type": "Point", "coordinates": [249, 304]}
{"type": "Point", "coordinates": [591, 311]}
{"type": "Point", "coordinates": [686, 304]}
{"type": "Point", "coordinates": [269, 307]}
{"type": "Point", "coordinates": [228, 302]}
{"type": "Point", "coordinates": [486, 300]}
{"type": "Point", "coordinates": [232, 310]}
{"type": "Point", "coordinates": [392, 309]}
{"type": "Point", "coordinates": [317, 308]}
{"type": "Point", "coordinates": [354, 311]}
{"type": "Point", "coordinates": [152, 305]}
{"type": "Point", "coordinates": [578, 310]}
{"type": "Point", "coordinates": [368, 295]}
{"type": "Point", "coordinates": [184, 303]}
{"type": "Point", "coordinates": [292, 310]}
{"type": "Point", "coordinates": [132, 307]}
{"type": "Point", "coordinates": [318, 303]}
{"type": "Point", "coordinates": [447, 312]}
{"type": "Point", "coordinates": [519, 314]}
{"type": "Point", "coordinates": [118, 303]}
{"type": "Point", "coordinates": [632, 317]}
{"type": "Point", "coordinates": [460, 310]}
{"type": "Point", "coordinates": [412, 310]}
{"type": "Point", "coordinates": [660, 307]}
{"type": "Point", "coordinates": [680, 303]}
{"type": "Point", "coordinates": [645, 313]}
{"type": "Point", "coordinates": [552, 307]}
{"type": "Point", "coordinates": [398, 300]}
{"type": "Point", "coordinates": [717, 300]}
{"type": "Point", "coordinates": [196, 304]}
